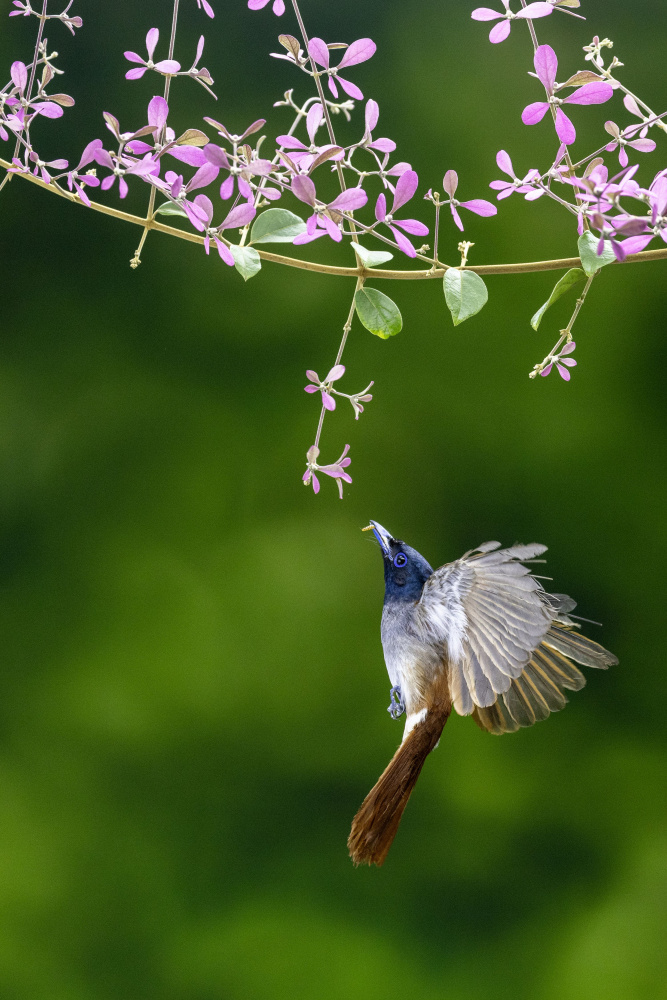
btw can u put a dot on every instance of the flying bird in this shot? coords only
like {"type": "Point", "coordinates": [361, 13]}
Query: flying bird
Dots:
{"type": "Point", "coordinates": [480, 635]}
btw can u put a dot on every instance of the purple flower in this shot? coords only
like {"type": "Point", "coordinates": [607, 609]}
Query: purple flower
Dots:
{"type": "Point", "coordinates": [546, 67]}
{"type": "Point", "coordinates": [278, 8]}
{"type": "Point", "coordinates": [500, 31]}
{"type": "Point", "coordinates": [525, 187]}
{"type": "Point", "coordinates": [357, 52]}
{"type": "Point", "coordinates": [358, 399]}
{"type": "Point", "coordinates": [597, 190]}
{"type": "Point", "coordinates": [633, 108]}
{"type": "Point", "coordinates": [327, 218]}
{"type": "Point", "coordinates": [41, 165]}
{"type": "Point", "coordinates": [239, 175]}
{"type": "Point", "coordinates": [336, 471]}
{"type": "Point", "coordinates": [372, 116]}
{"type": "Point", "coordinates": [302, 155]}
{"type": "Point", "coordinates": [200, 213]}
{"type": "Point", "coordinates": [174, 186]}
{"type": "Point", "coordinates": [397, 170]}
{"type": "Point", "coordinates": [241, 170]}
{"type": "Point", "coordinates": [328, 402]}
{"type": "Point", "coordinates": [621, 140]}
{"type": "Point", "coordinates": [205, 5]}
{"type": "Point", "coordinates": [657, 195]}
{"type": "Point", "coordinates": [559, 361]}
{"type": "Point", "coordinates": [75, 180]}
{"type": "Point", "coordinates": [450, 183]}
{"type": "Point", "coordinates": [147, 169]}
{"type": "Point", "coordinates": [201, 75]}
{"type": "Point", "coordinates": [17, 121]}
{"type": "Point", "coordinates": [168, 67]}
{"type": "Point", "coordinates": [405, 189]}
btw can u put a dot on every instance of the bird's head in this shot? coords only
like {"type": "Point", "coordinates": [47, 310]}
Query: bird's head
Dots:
{"type": "Point", "coordinates": [405, 570]}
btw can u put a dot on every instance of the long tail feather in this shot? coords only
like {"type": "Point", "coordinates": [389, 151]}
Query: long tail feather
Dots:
{"type": "Point", "coordinates": [375, 825]}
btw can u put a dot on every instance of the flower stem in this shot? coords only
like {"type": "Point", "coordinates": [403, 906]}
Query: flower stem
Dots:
{"type": "Point", "coordinates": [341, 348]}
{"type": "Point", "coordinates": [136, 260]}
{"type": "Point", "coordinates": [568, 160]}
{"type": "Point", "coordinates": [323, 100]}
{"type": "Point", "coordinates": [33, 69]}
{"type": "Point", "coordinates": [566, 334]}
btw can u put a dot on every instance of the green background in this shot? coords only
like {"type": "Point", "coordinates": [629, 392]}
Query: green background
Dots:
{"type": "Point", "coordinates": [192, 690]}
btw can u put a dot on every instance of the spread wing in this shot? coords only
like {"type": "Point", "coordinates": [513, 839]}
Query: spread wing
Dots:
{"type": "Point", "coordinates": [506, 639]}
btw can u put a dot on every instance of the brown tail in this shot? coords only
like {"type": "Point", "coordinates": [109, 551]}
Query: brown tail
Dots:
{"type": "Point", "coordinates": [375, 825]}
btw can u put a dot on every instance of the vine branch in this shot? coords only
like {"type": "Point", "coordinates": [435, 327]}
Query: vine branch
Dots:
{"type": "Point", "coordinates": [524, 267]}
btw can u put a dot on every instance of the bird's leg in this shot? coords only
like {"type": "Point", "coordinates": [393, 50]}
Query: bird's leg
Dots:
{"type": "Point", "coordinates": [396, 703]}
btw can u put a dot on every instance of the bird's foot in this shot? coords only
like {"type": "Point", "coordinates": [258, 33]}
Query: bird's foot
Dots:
{"type": "Point", "coordinates": [396, 704]}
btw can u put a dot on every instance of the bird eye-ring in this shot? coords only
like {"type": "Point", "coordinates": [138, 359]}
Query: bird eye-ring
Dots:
{"type": "Point", "coordinates": [400, 560]}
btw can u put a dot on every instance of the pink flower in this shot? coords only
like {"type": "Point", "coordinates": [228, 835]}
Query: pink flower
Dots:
{"type": "Point", "coordinates": [500, 31]}
{"type": "Point", "coordinates": [336, 471]}
{"type": "Point", "coordinates": [326, 218]}
{"type": "Point", "coordinates": [558, 360]}
{"type": "Point", "coordinates": [357, 52]}
{"type": "Point", "coordinates": [480, 207]}
{"type": "Point", "coordinates": [524, 187]}
{"type": "Point", "coordinates": [302, 155]}
{"type": "Point", "coordinates": [278, 7]}
{"type": "Point", "coordinates": [405, 189]}
{"type": "Point", "coordinates": [328, 402]}
{"type": "Point", "coordinates": [546, 67]}
{"type": "Point", "coordinates": [372, 116]}
{"type": "Point", "coordinates": [200, 214]}
{"type": "Point", "coordinates": [168, 67]}
{"type": "Point", "coordinates": [621, 139]}
{"type": "Point", "coordinates": [657, 196]}
{"type": "Point", "coordinates": [17, 121]}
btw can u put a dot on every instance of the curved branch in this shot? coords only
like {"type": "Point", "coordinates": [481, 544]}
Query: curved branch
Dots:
{"type": "Point", "coordinates": [525, 267]}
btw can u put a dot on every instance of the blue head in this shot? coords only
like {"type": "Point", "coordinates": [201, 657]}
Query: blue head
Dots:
{"type": "Point", "coordinates": [405, 570]}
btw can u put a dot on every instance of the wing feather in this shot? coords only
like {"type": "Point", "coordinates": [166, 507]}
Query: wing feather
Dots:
{"type": "Point", "coordinates": [490, 614]}
{"type": "Point", "coordinates": [508, 646]}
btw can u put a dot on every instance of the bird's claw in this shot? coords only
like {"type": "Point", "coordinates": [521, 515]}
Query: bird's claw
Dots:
{"type": "Point", "coordinates": [396, 703]}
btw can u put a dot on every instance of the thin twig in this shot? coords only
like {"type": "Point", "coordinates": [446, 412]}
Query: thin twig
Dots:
{"type": "Point", "coordinates": [136, 260]}
{"type": "Point", "coordinates": [341, 348]}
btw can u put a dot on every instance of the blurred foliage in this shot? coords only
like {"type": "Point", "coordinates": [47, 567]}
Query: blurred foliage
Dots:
{"type": "Point", "coordinates": [193, 691]}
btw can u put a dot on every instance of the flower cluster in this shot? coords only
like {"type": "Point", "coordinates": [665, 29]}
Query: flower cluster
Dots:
{"type": "Point", "coordinates": [225, 185]}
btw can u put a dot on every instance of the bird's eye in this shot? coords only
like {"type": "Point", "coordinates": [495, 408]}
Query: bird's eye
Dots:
{"type": "Point", "coordinates": [400, 560]}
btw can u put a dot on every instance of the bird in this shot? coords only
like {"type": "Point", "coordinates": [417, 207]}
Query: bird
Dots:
{"type": "Point", "coordinates": [479, 635]}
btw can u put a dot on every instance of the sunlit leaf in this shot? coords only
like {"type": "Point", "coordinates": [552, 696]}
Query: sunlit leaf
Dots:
{"type": "Point", "coordinates": [276, 225]}
{"type": "Point", "coordinates": [465, 294]}
{"type": "Point", "coordinates": [170, 208]}
{"type": "Point", "coordinates": [247, 261]}
{"type": "Point", "coordinates": [588, 252]}
{"type": "Point", "coordinates": [371, 258]}
{"type": "Point", "coordinates": [378, 313]}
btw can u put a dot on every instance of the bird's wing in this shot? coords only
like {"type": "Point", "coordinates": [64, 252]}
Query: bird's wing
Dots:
{"type": "Point", "coordinates": [490, 613]}
{"type": "Point", "coordinates": [539, 690]}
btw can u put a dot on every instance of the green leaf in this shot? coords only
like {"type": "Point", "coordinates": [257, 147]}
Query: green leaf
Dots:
{"type": "Point", "coordinates": [276, 225]}
{"type": "Point", "coordinates": [247, 261]}
{"type": "Point", "coordinates": [465, 294]}
{"type": "Point", "coordinates": [169, 208]}
{"type": "Point", "coordinates": [573, 277]}
{"type": "Point", "coordinates": [588, 247]}
{"type": "Point", "coordinates": [371, 258]}
{"type": "Point", "coordinates": [378, 313]}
